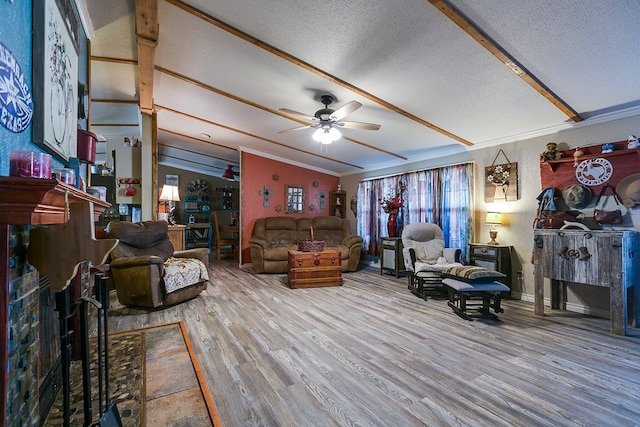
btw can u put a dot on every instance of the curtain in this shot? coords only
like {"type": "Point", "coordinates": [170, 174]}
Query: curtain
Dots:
{"type": "Point", "coordinates": [442, 196]}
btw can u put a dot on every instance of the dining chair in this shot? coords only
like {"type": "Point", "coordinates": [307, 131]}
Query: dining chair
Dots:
{"type": "Point", "coordinates": [225, 236]}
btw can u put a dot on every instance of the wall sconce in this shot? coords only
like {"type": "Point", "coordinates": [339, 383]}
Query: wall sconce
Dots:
{"type": "Point", "coordinates": [170, 195]}
{"type": "Point", "coordinates": [493, 219]}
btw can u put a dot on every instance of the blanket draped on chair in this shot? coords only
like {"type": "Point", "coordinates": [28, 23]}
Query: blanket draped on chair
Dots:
{"type": "Point", "coordinates": [182, 272]}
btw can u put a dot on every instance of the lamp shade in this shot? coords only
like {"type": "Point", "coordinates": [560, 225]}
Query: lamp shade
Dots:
{"type": "Point", "coordinates": [493, 218]}
{"type": "Point", "coordinates": [170, 193]}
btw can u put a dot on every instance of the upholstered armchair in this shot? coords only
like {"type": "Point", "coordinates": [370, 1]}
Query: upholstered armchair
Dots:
{"type": "Point", "coordinates": [425, 257]}
{"type": "Point", "coordinates": [146, 271]}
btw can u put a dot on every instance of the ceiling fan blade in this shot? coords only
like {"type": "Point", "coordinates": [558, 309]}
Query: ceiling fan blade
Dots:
{"type": "Point", "coordinates": [345, 110]}
{"type": "Point", "coordinates": [295, 129]}
{"type": "Point", "coordinates": [358, 125]}
{"type": "Point", "coordinates": [297, 114]}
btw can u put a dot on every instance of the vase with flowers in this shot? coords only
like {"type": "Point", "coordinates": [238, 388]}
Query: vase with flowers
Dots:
{"type": "Point", "coordinates": [392, 206]}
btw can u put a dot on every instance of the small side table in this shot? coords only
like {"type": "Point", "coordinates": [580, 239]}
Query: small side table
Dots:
{"type": "Point", "coordinates": [392, 259]}
{"type": "Point", "coordinates": [176, 235]}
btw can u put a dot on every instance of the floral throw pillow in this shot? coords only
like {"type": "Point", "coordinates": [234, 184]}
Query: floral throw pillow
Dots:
{"type": "Point", "coordinates": [473, 274]}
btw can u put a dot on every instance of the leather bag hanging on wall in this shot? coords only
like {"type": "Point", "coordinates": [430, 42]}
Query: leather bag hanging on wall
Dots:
{"type": "Point", "coordinates": [556, 219]}
{"type": "Point", "coordinates": [602, 216]}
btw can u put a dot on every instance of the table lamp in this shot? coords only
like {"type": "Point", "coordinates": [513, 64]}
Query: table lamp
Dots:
{"type": "Point", "coordinates": [493, 219]}
{"type": "Point", "coordinates": [170, 195]}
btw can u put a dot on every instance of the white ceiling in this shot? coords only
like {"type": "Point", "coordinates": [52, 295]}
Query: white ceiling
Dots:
{"type": "Point", "coordinates": [389, 55]}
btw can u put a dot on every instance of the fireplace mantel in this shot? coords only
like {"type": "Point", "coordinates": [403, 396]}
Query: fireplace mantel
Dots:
{"type": "Point", "coordinates": [30, 201]}
{"type": "Point", "coordinates": [40, 201]}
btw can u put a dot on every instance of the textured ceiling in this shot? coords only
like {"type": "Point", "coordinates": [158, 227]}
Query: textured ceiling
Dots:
{"type": "Point", "coordinates": [410, 66]}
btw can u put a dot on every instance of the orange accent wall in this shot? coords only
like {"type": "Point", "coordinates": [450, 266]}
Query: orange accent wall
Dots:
{"type": "Point", "coordinates": [258, 172]}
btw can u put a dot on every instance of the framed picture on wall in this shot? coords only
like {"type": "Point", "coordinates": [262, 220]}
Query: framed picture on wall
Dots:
{"type": "Point", "coordinates": [55, 79]}
{"type": "Point", "coordinates": [171, 179]}
{"type": "Point", "coordinates": [501, 183]}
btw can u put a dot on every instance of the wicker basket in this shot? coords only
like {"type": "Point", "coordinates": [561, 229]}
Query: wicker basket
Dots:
{"type": "Point", "coordinates": [311, 245]}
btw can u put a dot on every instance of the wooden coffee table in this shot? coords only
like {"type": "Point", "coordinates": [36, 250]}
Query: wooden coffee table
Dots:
{"type": "Point", "coordinates": [314, 269]}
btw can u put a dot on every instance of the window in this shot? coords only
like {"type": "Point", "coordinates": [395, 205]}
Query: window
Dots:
{"type": "Point", "coordinates": [442, 196]}
{"type": "Point", "coordinates": [295, 199]}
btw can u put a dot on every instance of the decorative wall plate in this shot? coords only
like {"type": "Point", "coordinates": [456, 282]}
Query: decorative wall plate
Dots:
{"type": "Point", "coordinates": [199, 186]}
{"type": "Point", "coordinates": [594, 172]}
{"type": "Point", "coordinates": [16, 104]}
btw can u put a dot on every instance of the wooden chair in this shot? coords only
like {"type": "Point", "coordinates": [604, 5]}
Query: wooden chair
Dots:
{"type": "Point", "coordinates": [225, 236]}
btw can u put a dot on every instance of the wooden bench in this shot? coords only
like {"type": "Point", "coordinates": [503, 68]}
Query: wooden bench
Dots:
{"type": "Point", "coordinates": [461, 295]}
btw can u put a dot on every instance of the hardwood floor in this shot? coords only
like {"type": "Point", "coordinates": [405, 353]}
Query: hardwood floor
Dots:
{"type": "Point", "coordinates": [370, 353]}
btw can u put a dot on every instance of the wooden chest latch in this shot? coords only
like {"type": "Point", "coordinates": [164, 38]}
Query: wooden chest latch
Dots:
{"type": "Point", "coordinates": [316, 259]}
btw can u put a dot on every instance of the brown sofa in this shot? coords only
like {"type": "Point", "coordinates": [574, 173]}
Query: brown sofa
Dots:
{"type": "Point", "coordinates": [274, 236]}
{"type": "Point", "coordinates": [139, 262]}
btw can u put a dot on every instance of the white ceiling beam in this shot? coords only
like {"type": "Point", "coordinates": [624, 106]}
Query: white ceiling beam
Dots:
{"type": "Point", "coordinates": [312, 69]}
{"type": "Point", "coordinates": [147, 37]}
{"type": "Point", "coordinates": [503, 56]}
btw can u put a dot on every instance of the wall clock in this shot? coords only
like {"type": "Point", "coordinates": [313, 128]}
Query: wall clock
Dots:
{"type": "Point", "coordinates": [199, 186]}
{"type": "Point", "coordinates": [594, 172]}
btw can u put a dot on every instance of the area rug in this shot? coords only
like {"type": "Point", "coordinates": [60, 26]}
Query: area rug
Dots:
{"type": "Point", "coordinates": [154, 380]}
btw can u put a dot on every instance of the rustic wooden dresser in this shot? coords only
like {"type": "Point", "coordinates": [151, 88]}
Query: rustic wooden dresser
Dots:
{"type": "Point", "coordinates": [599, 258]}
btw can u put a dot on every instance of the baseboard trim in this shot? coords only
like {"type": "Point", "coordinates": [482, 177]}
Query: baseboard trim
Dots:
{"type": "Point", "coordinates": [572, 307]}
{"type": "Point", "coordinates": [590, 311]}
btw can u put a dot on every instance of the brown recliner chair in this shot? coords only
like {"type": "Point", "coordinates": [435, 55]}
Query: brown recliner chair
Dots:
{"type": "Point", "coordinates": [144, 265]}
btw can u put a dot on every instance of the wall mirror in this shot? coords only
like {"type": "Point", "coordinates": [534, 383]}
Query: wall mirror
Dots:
{"type": "Point", "coordinates": [295, 198]}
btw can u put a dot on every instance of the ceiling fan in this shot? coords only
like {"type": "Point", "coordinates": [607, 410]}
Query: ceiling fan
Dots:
{"type": "Point", "coordinates": [326, 121]}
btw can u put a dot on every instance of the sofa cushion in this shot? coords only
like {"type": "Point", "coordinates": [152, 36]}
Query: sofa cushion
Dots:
{"type": "Point", "coordinates": [280, 223]}
{"type": "Point", "coordinates": [140, 239]}
{"type": "Point", "coordinates": [280, 230]}
{"type": "Point", "coordinates": [138, 234]}
{"type": "Point", "coordinates": [278, 253]}
{"type": "Point", "coordinates": [330, 229]}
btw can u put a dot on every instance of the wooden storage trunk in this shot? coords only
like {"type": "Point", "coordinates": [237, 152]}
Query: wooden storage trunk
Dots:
{"type": "Point", "coordinates": [314, 269]}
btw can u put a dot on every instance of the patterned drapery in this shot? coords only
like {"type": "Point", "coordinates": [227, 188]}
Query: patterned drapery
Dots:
{"type": "Point", "coordinates": [442, 196]}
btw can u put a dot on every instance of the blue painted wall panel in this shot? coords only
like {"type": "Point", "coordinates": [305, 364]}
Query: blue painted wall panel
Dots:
{"type": "Point", "coordinates": [15, 35]}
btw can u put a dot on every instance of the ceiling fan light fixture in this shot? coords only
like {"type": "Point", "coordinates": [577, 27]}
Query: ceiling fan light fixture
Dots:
{"type": "Point", "coordinates": [318, 135]}
{"type": "Point", "coordinates": [326, 121]}
{"type": "Point", "coordinates": [326, 135]}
